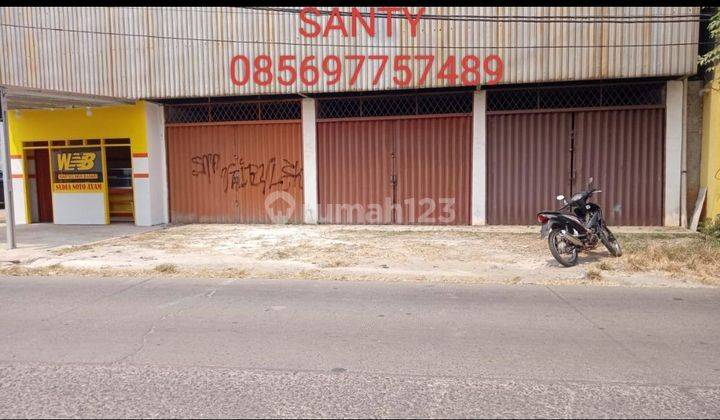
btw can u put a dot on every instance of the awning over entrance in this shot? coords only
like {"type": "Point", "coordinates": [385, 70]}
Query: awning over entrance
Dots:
{"type": "Point", "coordinates": [23, 98]}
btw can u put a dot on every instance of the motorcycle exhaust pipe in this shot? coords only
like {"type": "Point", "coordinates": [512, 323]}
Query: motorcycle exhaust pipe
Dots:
{"type": "Point", "coordinates": [572, 239]}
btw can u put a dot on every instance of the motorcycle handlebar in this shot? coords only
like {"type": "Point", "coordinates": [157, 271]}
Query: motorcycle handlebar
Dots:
{"type": "Point", "coordinates": [568, 205]}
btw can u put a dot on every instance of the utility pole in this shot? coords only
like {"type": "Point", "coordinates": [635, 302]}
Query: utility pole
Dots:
{"type": "Point", "coordinates": [7, 173]}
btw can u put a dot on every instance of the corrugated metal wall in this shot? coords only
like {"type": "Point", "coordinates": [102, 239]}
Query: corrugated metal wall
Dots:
{"type": "Point", "coordinates": [623, 151]}
{"type": "Point", "coordinates": [429, 157]}
{"type": "Point", "coordinates": [530, 162]}
{"type": "Point", "coordinates": [354, 161]}
{"type": "Point", "coordinates": [229, 173]}
{"type": "Point", "coordinates": [528, 165]}
{"type": "Point", "coordinates": [153, 52]}
{"type": "Point", "coordinates": [195, 183]}
{"type": "Point", "coordinates": [433, 168]}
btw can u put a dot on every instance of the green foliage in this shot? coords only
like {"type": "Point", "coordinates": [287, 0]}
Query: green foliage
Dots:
{"type": "Point", "coordinates": [713, 56]}
{"type": "Point", "coordinates": [711, 227]}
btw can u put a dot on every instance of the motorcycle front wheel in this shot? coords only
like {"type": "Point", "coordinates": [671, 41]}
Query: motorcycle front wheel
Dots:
{"type": "Point", "coordinates": [565, 253]}
{"type": "Point", "coordinates": [608, 239]}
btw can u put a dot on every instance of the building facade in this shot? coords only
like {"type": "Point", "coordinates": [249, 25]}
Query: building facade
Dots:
{"type": "Point", "coordinates": [437, 115]}
{"type": "Point", "coordinates": [710, 166]}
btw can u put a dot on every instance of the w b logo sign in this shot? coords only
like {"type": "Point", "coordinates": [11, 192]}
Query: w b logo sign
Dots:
{"type": "Point", "coordinates": [76, 161]}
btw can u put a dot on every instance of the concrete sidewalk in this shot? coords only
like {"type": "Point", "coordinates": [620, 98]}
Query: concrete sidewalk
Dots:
{"type": "Point", "coordinates": [35, 239]}
{"type": "Point", "coordinates": [457, 254]}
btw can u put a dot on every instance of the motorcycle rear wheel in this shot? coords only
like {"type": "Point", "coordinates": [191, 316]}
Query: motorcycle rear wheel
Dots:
{"type": "Point", "coordinates": [566, 254]}
{"type": "Point", "coordinates": [608, 239]}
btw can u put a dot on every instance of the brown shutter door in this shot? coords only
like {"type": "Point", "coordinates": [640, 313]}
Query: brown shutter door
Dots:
{"type": "Point", "coordinates": [269, 160]}
{"type": "Point", "coordinates": [195, 155]}
{"type": "Point", "coordinates": [623, 151]}
{"type": "Point", "coordinates": [433, 159]}
{"type": "Point", "coordinates": [224, 173]}
{"type": "Point", "coordinates": [354, 170]}
{"type": "Point", "coordinates": [528, 165]}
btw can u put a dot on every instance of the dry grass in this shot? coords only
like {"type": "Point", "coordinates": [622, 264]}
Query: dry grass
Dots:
{"type": "Point", "coordinates": [605, 266]}
{"type": "Point", "coordinates": [697, 256]}
{"type": "Point", "coordinates": [166, 268]}
{"type": "Point", "coordinates": [169, 270]}
{"type": "Point", "coordinates": [60, 270]}
{"type": "Point", "coordinates": [333, 263]}
{"type": "Point", "coordinates": [593, 275]}
{"type": "Point", "coordinates": [285, 252]}
{"type": "Point", "coordinates": [226, 273]}
{"type": "Point", "coordinates": [70, 249]}
{"type": "Point", "coordinates": [20, 270]}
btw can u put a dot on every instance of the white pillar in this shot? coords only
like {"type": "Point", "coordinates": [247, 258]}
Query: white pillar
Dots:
{"type": "Point", "coordinates": [149, 171]}
{"type": "Point", "coordinates": [674, 126]}
{"type": "Point", "coordinates": [16, 192]}
{"type": "Point", "coordinates": [478, 194]}
{"type": "Point", "coordinates": [309, 141]}
{"type": "Point", "coordinates": [10, 242]}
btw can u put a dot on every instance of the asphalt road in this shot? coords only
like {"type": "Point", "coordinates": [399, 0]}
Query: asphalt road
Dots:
{"type": "Point", "coordinates": [250, 348]}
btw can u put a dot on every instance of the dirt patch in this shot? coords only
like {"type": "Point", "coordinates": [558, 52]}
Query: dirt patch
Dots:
{"type": "Point", "coordinates": [387, 253]}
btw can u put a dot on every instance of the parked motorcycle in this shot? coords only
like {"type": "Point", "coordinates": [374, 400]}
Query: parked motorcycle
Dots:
{"type": "Point", "coordinates": [577, 230]}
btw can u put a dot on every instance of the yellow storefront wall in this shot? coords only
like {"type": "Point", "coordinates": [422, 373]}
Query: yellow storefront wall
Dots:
{"type": "Point", "coordinates": [124, 121]}
{"type": "Point", "coordinates": [710, 165]}
{"type": "Point", "coordinates": [112, 122]}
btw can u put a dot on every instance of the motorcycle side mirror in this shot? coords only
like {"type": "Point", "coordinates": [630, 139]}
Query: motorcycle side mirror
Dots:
{"type": "Point", "coordinates": [560, 197]}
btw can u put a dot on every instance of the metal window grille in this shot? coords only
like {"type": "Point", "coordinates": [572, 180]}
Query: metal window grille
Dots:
{"type": "Point", "coordinates": [406, 104]}
{"type": "Point", "coordinates": [565, 97]}
{"type": "Point", "coordinates": [232, 111]}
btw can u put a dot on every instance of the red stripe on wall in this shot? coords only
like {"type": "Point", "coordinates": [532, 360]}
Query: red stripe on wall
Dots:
{"type": "Point", "coordinates": [17, 176]}
{"type": "Point", "coordinates": [15, 156]}
{"type": "Point", "coordinates": [140, 155]}
{"type": "Point", "coordinates": [141, 175]}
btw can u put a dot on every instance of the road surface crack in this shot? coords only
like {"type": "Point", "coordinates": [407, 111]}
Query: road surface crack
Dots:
{"type": "Point", "coordinates": [100, 299]}
{"type": "Point", "coordinates": [593, 323]}
{"type": "Point", "coordinates": [153, 326]}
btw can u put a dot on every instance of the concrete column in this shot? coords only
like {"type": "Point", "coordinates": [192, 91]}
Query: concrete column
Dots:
{"type": "Point", "coordinates": [479, 191]}
{"type": "Point", "coordinates": [17, 191]}
{"type": "Point", "coordinates": [309, 140]}
{"type": "Point", "coordinates": [674, 126]}
{"type": "Point", "coordinates": [150, 184]}
{"type": "Point", "coordinates": [10, 242]}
